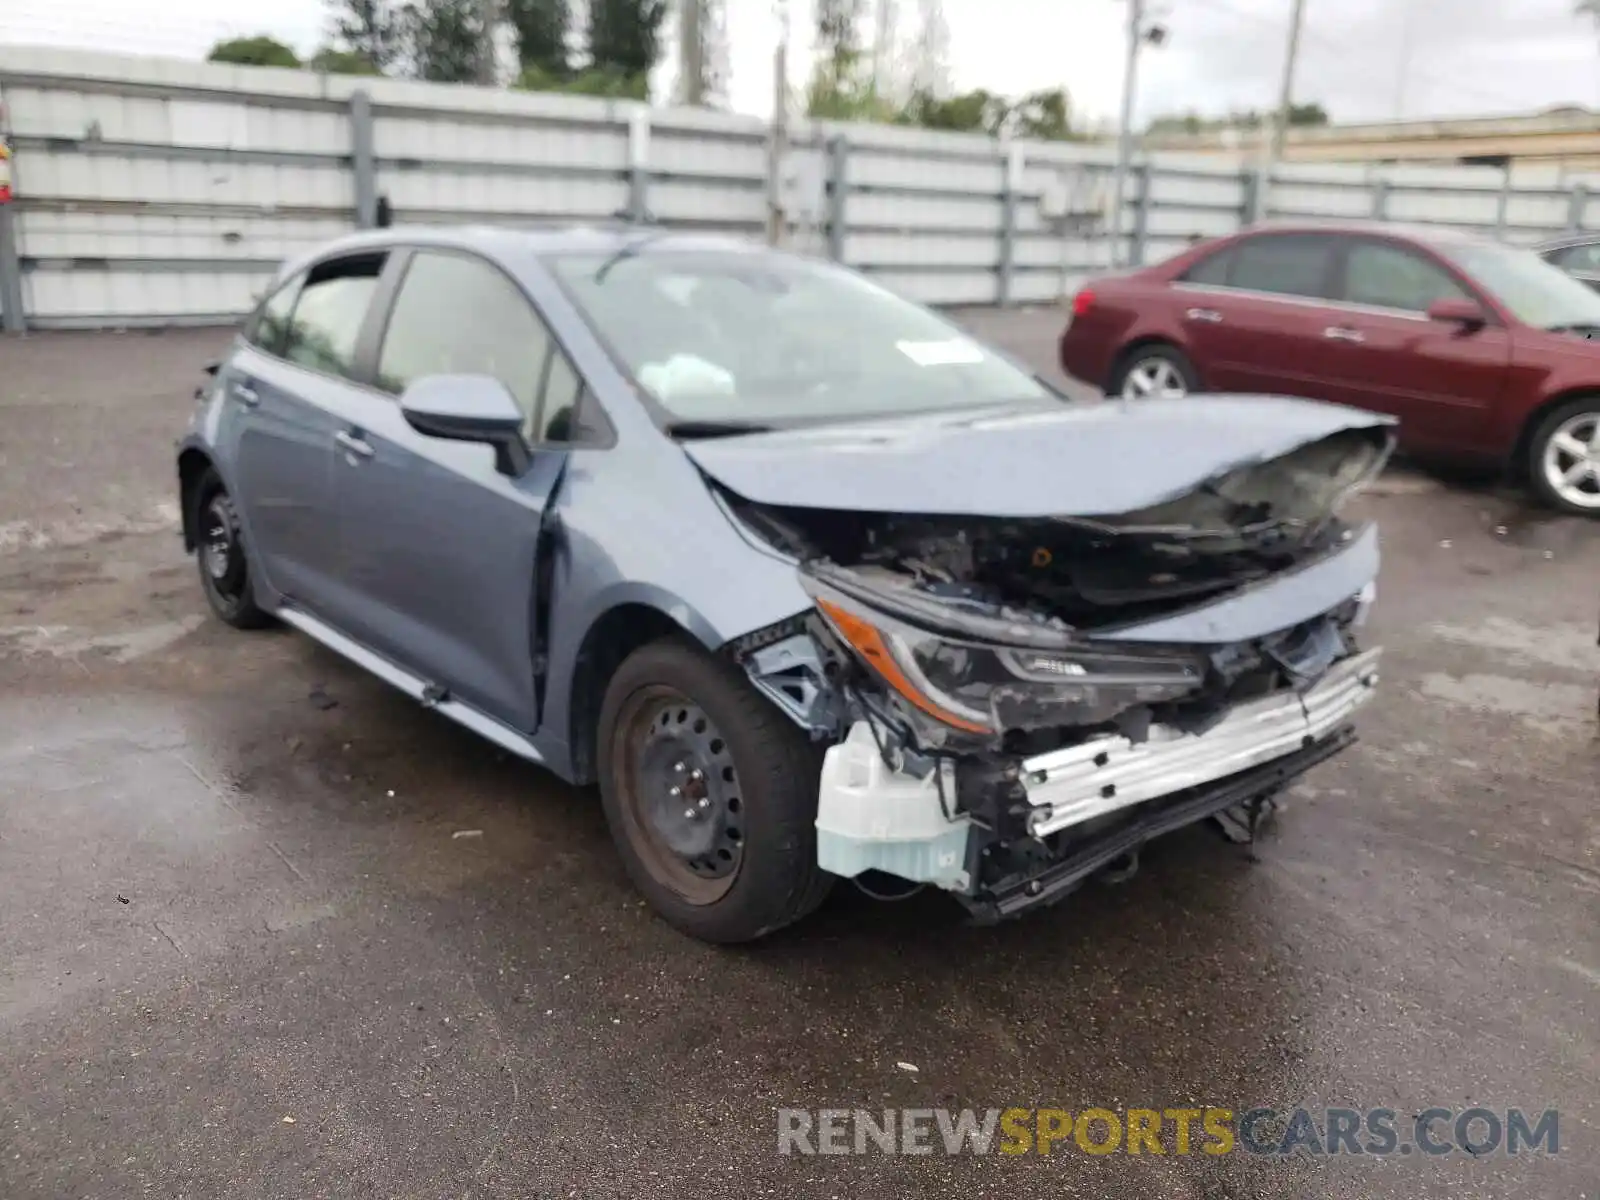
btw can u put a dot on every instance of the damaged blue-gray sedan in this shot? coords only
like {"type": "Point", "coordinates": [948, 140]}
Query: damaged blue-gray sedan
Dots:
{"type": "Point", "coordinates": [813, 585]}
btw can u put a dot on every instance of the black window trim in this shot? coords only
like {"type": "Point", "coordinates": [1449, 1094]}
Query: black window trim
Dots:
{"type": "Point", "coordinates": [369, 347]}
{"type": "Point", "coordinates": [299, 278]}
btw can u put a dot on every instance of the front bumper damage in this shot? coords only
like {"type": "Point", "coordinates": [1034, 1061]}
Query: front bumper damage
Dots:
{"type": "Point", "coordinates": [1082, 807]}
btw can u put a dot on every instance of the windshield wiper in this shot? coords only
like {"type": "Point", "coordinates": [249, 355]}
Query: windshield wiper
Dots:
{"type": "Point", "coordinates": [712, 429]}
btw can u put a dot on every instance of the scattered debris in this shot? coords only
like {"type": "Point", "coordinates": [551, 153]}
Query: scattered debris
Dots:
{"type": "Point", "coordinates": [905, 1066]}
{"type": "Point", "coordinates": [463, 833]}
{"type": "Point", "coordinates": [121, 899]}
{"type": "Point", "coordinates": [288, 1120]}
{"type": "Point", "coordinates": [1446, 544]}
{"type": "Point", "coordinates": [320, 699]}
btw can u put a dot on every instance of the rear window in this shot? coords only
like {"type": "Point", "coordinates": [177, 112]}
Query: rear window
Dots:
{"type": "Point", "coordinates": [1288, 265]}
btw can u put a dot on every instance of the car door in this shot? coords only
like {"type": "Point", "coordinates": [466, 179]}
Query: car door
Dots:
{"type": "Point", "coordinates": [277, 431]}
{"type": "Point", "coordinates": [1253, 314]}
{"type": "Point", "coordinates": [441, 549]}
{"type": "Point", "coordinates": [1440, 379]}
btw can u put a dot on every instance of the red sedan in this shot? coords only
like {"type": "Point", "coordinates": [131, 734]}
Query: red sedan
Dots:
{"type": "Point", "coordinates": [1480, 349]}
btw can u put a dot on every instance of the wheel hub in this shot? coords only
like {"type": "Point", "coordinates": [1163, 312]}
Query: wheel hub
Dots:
{"type": "Point", "coordinates": [688, 791]}
{"type": "Point", "coordinates": [1572, 461]}
{"type": "Point", "coordinates": [219, 540]}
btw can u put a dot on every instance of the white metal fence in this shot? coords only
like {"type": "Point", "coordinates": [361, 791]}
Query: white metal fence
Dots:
{"type": "Point", "coordinates": [154, 192]}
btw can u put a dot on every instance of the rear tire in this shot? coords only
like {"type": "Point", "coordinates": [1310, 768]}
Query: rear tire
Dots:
{"type": "Point", "coordinates": [1157, 370]}
{"type": "Point", "coordinates": [711, 795]}
{"type": "Point", "coordinates": [1563, 462]}
{"type": "Point", "coordinates": [222, 557]}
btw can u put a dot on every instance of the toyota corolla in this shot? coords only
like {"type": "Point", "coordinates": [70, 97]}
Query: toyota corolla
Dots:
{"type": "Point", "coordinates": [812, 584]}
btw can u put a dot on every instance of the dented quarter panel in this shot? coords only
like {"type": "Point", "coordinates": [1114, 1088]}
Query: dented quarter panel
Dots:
{"type": "Point", "coordinates": [1060, 460]}
{"type": "Point", "coordinates": [1268, 607]}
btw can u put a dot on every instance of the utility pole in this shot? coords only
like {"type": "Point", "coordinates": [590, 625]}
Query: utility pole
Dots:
{"type": "Point", "coordinates": [1280, 125]}
{"type": "Point", "coordinates": [489, 18]}
{"type": "Point", "coordinates": [692, 52]}
{"type": "Point", "coordinates": [778, 143]}
{"type": "Point", "coordinates": [1130, 85]}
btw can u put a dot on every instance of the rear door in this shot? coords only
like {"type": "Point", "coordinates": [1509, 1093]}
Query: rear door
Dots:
{"type": "Point", "coordinates": [441, 549]}
{"type": "Point", "coordinates": [1440, 380]}
{"type": "Point", "coordinates": [1253, 314]}
{"type": "Point", "coordinates": [278, 428]}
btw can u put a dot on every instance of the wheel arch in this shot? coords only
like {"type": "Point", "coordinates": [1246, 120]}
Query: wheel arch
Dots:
{"type": "Point", "coordinates": [1518, 462]}
{"type": "Point", "coordinates": [193, 463]}
{"type": "Point", "coordinates": [1146, 342]}
{"type": "Point", "coordinates": [610, 638]}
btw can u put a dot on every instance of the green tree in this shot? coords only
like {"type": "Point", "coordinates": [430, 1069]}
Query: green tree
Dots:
{"type": "Point", "coordinates": [625, 39]}
{"type": "Point", "coordinates": [541, 27]}
{"type": "Point", "coordinates": [445, 40]}
{"type": "Point", "coordinates": [369, 29]}
{"type": "Point", "coordinates": [341, 62]}
{"type": "Point", "coordinates": [1307, 114]}
{"type": "Point", "coordinates": [1044, 116]}
{"type": "Point", "coordinates": [258, 51]}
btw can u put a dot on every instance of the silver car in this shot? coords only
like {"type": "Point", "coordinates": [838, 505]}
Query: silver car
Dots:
{"type": "Point", "coordinates": [813, 584]}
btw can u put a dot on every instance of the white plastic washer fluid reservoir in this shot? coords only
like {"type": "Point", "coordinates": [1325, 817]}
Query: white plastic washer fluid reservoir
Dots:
{"type": "Point", "coordinates": [871, 817]}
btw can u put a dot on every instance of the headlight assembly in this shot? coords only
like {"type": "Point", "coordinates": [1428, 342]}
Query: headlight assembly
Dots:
{"type": "Point", "coordinates": [986, 688]}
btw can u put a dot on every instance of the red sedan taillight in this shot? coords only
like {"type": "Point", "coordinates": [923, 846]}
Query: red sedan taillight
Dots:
{"type": "Point", "coordinates": [1082, 302]}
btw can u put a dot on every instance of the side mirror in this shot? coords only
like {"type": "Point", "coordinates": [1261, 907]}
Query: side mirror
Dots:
{"type": "Point", "coordinates": [1465, 313]}
{"type": "Point", "coordinates": [469, 408]}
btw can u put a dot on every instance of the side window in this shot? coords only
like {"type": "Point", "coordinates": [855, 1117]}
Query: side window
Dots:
{"type": "Point", "coordinates": [1286, 264]}
{"type": "Point", "coordinates": [1213, 269]}
{"type": "Point", "coordinates": [329, 313]}
{"type": "Point", "coordinates": [1585, 258]}
{"type": "Point", "coordinates": [456, 315]}
{"type": "Point", "coordinates": [562, 393]}
{"type": "Point", "coordinates": [271, 324]}
{"type": "Point", "coordinates": [1391, 277]}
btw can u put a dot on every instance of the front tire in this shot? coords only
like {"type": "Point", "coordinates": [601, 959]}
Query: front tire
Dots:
{"type": "Point", "coordinates": [222, 558]}
{"type": "Point", "coordinates": [710, 794]}
{"type": "Point", "coordinates": [1156, 371]}
{"type": "Point", "coordinates": [1564, 457]}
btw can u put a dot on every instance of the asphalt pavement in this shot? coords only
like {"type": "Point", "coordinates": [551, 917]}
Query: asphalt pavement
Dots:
{"type": "Point", "coordinates": [267, 929]}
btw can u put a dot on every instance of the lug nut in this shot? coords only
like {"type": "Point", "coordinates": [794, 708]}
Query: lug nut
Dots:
{"type": "Point", "coordinates": [679, 767]}
{"type": "Point", "coordinates": [689, 814]}
{"type": "Point", "coordinates": [675, 791]}
{"type": "Point", "coordinates": [704, 803]}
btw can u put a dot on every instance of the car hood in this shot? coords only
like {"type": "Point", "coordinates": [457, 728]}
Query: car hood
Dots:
{"type": "Point", "coordinates": [1085, 460]}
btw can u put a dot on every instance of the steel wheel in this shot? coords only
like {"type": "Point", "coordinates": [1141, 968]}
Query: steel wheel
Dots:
{"type": "Point", "coordinates": [681, 797]}
{"type": "Point", "coordinates": [1571, 461]}
{"type": "Point", "coordinates": [221, 555]}
{"type": "Point", "coordinates": [1156, 377]}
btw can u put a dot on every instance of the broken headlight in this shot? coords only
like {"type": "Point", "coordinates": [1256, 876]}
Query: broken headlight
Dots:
{"type": "Point", "coordinates": [986, 688]}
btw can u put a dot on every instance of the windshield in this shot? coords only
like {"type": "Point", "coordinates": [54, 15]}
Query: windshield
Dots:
{"type": "Point", "coordinates": [729, 341]}
{"type": "Point", "coordinates": [1531, 289]}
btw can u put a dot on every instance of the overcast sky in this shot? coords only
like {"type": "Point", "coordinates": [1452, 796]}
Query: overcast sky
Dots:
{"type": "Point", "coordinates": [1464, 57]}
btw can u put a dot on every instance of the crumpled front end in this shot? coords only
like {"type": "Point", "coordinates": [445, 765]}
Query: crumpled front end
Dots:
{"type": "Point", "coordinates": [1015, 704]}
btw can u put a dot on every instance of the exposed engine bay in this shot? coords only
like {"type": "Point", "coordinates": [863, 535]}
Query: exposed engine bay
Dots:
{"type": "Point", "coordinates": [1004, 697]}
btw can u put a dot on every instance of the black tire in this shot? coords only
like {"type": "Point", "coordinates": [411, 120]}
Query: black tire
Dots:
{"type": "Point", "coordinates": [1154, 355]}
{"type": "Point", "coordinates": [766, 780]}
{"type": "Point", "coordinates": [221, 556]}
{"type": "Point", "coordinates": [1584, 411]}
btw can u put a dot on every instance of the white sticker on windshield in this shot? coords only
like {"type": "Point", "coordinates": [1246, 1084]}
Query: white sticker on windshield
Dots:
{"type": "Point", "coordinates": [947, 353]}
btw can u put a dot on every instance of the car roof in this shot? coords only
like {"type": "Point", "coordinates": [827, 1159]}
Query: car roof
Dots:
{"type": "Point", "coordinates": [1428, 235]}
{"type": "Point", "coordinates": [1569, 239]}
{"type": "Point", "coordinates": [498, 241]}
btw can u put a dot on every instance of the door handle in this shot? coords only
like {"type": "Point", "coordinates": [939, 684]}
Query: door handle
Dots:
{"type": "Point", "coordinates": [1204, 314]}
{"type": "Point", "coordinates": [245, 394]}
{"type": "Point", "coordinates": [1343, 333]}
{"type": "Point", "coordinates": [352, 444]}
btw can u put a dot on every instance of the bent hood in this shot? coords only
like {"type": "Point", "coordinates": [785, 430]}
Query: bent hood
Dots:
{"type": "Point", "coordinates": [1068, 460]}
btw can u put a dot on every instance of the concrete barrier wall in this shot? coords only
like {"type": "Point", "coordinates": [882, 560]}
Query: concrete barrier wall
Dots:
{"type": "Point", "coordinates": [157, 192]}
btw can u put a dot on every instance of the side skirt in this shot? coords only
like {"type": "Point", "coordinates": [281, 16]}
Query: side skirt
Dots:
{"type": "Point", "coordinates": [420, 690]}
